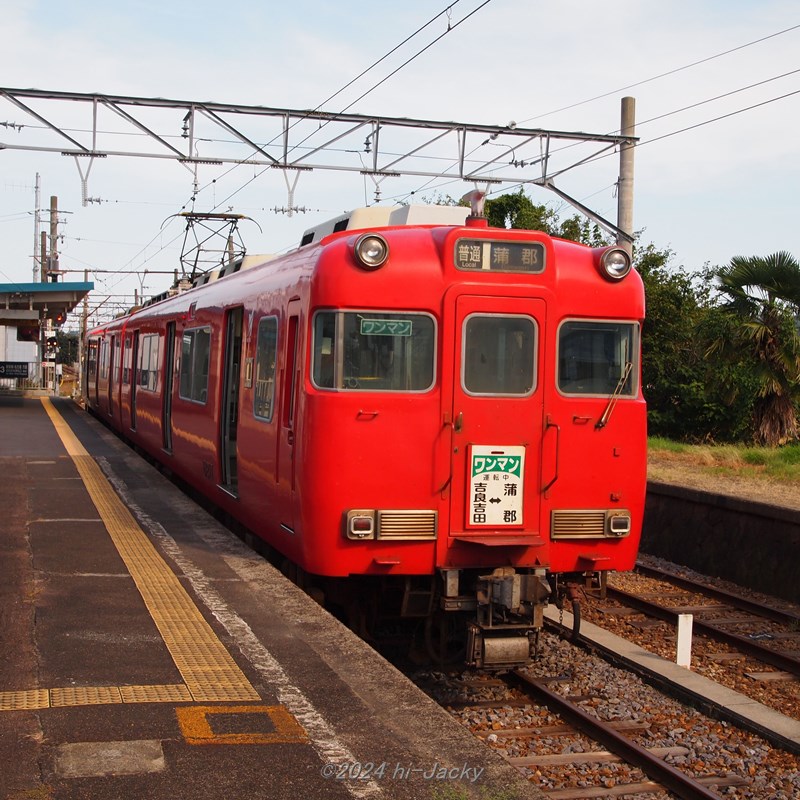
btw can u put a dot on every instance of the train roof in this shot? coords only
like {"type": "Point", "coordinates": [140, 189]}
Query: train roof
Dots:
{"type": "Point", "coordinates": [386, 216]}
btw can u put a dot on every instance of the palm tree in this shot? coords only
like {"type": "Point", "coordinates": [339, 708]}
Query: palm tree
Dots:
{"type": "Point", "coordinates": [763, 298]}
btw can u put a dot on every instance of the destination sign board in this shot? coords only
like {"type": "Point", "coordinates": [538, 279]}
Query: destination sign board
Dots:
{"type": "Point", "coordinates": [496, 480]}
{"type": "Point", "coordinates": [481, 255]}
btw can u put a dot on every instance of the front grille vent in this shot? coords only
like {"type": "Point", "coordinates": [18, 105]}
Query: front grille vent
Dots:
{"type": "Point", "coordinates": [407, 524]}
{"type": "Point", "coordinates": [577, 524]}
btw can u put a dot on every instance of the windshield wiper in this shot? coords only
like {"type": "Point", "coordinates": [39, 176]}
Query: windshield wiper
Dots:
{"type": "Point", "coordinates": [612, 401]}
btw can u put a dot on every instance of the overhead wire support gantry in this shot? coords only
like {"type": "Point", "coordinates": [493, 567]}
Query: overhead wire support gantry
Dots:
{"type": "Point", "coordinates": [297, 141]}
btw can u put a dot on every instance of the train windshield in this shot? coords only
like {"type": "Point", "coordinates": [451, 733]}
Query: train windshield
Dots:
{"type": "Point", "coordinates": [374, 351]}
{"type": "Point", "coordinates": [499, 354]}
{"type": "Point", "coordinates": [593, 358]}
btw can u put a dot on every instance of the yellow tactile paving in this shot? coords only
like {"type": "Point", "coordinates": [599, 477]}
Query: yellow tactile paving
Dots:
{"type": "Point", "coordinates": [205, 665]}
{"type": "Point", "coordinates": [84, 696]}
{"type": "Point", "coordinates": [92, 695]}
{"type": "Point", "coordinates": [24, 700]}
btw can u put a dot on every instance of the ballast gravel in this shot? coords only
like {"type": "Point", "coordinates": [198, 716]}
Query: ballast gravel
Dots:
{"type": "Point", "coordinates": [705, 747]}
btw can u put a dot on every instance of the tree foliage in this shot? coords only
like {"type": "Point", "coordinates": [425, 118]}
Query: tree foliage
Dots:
{"type": "Point", "coordinates": [517, 210]}
{"type": "Point", "coordinates": [761, 303]}
{"type": "Point", "coordinates": [721, 349]}
{"type": "Point", "coordinates": [689, 396]}
{"type": "Point", "coordinates": [67, 347]}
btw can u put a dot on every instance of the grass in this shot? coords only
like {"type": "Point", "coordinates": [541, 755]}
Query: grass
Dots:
{"type": "Point", "coordinates": [778, 463]}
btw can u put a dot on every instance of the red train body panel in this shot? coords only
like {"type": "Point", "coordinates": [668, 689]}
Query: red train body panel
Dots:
{"type": "Point", "coordinates": [472, 403]}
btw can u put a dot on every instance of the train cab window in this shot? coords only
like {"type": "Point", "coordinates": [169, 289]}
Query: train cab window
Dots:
{"type": "Point", "coordinates": [195, 358]}
{"type": "Point", "coordinates": [266, 353]}
{"type": "Point", "coordinates": [597, 358]}
{"type": "Point", "coordinates": [373, 351]}
{"type": "Point", "coordinates": [499, 355]}
{"type": "Point", "coordinates": [148, 362]}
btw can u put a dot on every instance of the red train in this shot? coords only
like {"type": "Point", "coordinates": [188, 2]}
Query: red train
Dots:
{"type": "Point", "coordinates": [426, 416]}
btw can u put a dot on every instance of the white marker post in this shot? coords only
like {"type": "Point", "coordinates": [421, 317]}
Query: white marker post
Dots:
{"type": "Point", "coordinates": [684, 655]}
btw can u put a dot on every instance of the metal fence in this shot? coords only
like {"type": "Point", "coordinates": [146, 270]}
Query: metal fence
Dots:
{"type": "Point", "coordinates": [35, 375]}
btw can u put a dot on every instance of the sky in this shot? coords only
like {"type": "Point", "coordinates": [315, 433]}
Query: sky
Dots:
{"type": "Point", "coordinates": [716, 85]}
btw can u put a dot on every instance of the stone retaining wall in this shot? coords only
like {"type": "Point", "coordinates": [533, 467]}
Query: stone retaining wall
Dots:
{"type": "Point", "coordinates": [752, 544]}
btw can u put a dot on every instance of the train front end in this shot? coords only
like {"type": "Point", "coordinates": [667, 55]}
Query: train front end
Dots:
{"type": "Point", "coordinates": [485, 424]}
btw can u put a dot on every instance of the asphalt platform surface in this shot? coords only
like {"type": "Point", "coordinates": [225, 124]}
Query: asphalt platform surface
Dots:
{"type": "Point", "coordinates": [148, 653]}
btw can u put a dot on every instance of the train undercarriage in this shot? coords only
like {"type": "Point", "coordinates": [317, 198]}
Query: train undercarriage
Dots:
{"type": "Point", "coordinates": [490, 620]}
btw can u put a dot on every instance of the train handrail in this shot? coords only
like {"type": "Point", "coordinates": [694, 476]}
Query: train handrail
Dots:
{"type": "Point", "coordinates": [550, 424]}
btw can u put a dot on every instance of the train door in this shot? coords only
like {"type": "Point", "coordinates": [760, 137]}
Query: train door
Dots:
{"type": "Point", "coordinates": [497, 419]}
{"type": "Point", "coordinates": [92, 372]}
{"type": "Point", "coordinates": [229, 416]}
{"type": "Point", "coordinates": [134, 378]}
{"type": "Point", "coordinates": [112, 351]}
{"type": "Point", "coordinates": [169, 381]}
{"type": "Point", "coordinates": [289, 387]}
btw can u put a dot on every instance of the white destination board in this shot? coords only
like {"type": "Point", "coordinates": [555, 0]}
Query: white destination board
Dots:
{"type": "Point", "coordinates": [496, 478]}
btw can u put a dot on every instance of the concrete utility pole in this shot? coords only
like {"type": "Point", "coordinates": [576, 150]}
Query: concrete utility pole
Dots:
{"type": "Point", "coordinates": [52, 266]}
{"type": "Point", "coordinates": [43, 255]}
{"type": "Point", "coordinates": [625, 186]}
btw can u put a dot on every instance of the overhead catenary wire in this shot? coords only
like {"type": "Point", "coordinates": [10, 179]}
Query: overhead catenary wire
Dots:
{"type": "Point", "coordinates": [604, 154]}
{"type": "Point", "coordinates": [191, 201]}
{"type": "Point", "coordinates": [374, 64]}
{"type": "Point", "coordinates": [408, 61]}
{"type": "Point", "coordinates": [363, 95]}
{"type": "Point", "coordinates": [682, 130]}
{"type": "Point", "coordinates": [405, 195]}
{"type": "Point", "coordinates": [661, 75]}
{"type": "Point", "coordinates": [642, 143]}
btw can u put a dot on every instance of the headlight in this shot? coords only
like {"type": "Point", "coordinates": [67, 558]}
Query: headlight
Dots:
{"type": "Point", "coordinates": [361, 524]}
{"type": "Point", "coordinates": [371, 251]}
{"type": "Point", "coordinates": [619, 525]}
{"type": "Point", "coordinates": [615, 263]}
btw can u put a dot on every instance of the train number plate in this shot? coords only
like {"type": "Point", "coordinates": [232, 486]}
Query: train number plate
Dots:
{"type": "Point", "coordinates": [496, 478]}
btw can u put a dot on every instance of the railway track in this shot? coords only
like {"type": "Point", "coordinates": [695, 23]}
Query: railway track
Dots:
{"type": "Point", "coordinates": [575, 754]}
{"type": "Point", "coordinates": [749, 645]}
{"type": "Point", "coordinates": [650, 760]}
{"type": "Point", "coordinates": [579, 727]}
{"type": "Point", "coordinates": [729, 598]}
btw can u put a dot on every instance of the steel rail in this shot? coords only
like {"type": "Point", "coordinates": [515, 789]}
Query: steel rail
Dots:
{"type": "Point", "coordinates": [735, 600]}
{"type": "Point", "coordinates": [742, 643]}
{"type": "Point", "coordinates": [654, 767]}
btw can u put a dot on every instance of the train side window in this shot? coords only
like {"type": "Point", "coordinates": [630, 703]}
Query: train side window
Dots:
{"type": "Point", "coordinates": [373, 351]}
{"type": "Point", "coordinates": [499, 355]}
{"type": "Point", "coordinates": [266, 353]}
{"type": "Point", "coordinates": [91, 359]}
{"type": "Point", "coordinates": [593, 357]}
{"type": "Point", "coordinates": [104, 359]}
{"type": "Point", "coordinates": [148, 362]}
{"type": "Point", "coordinates": [195, 359]}
{"type": "Point", "coordinates": [126, 361]}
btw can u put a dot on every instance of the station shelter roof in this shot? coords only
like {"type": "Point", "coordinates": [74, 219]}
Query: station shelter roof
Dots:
{"type": "Point", "coordinates": [25, 304]}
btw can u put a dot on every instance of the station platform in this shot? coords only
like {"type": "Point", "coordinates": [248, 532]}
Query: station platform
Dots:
{"type": "Point", "coordinates": [148, 653]}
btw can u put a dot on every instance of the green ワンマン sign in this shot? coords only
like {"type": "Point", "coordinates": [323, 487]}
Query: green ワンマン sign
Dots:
{"type": "Point", "coordinates": [385, 327]}
{"type": "Point", "coordinates": [511, 465]}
